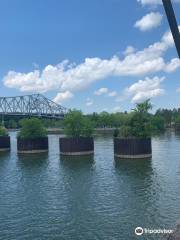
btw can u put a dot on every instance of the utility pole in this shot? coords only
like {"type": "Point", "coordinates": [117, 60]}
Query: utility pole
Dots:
{"type": "Point", "coordinates": [172, 23]}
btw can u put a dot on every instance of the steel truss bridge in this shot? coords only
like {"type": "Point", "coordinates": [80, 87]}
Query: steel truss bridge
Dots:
{"type": "Point", "coordinates": [31, 105]}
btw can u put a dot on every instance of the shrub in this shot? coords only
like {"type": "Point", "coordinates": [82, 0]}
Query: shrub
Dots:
{"type": "Point", "coordinates": [125, 131]}
{"type": "Point", "coordinates": [158, 124]}
{"type": "Point", "coordinates": [87, 128]}
{"type": "Point", "coordinates": [139, 124]}
{"type": "Point", "coordinates": [76, 125]}
{"type": "Point", "coordinates": [3, 131]}
{"type": "Point", "coordinates": [32, 128]}
{"type": "Point", "coordinates": [116, 132]}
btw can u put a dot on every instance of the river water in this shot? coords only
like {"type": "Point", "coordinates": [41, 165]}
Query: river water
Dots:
{"type": "Point", "coordinates": [46, 196]}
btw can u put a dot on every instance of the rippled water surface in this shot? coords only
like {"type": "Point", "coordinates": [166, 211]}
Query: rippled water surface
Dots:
{"type": "Point", "coordinates": [51, 197]}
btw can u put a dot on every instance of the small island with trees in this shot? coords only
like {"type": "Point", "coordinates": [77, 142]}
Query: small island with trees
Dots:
{"type": "Point", "coordinates": [32, 137]}
{"type": "Point", "coordinates": [133, 139]}
{"type": "Point", "coordinates": [78, 130]}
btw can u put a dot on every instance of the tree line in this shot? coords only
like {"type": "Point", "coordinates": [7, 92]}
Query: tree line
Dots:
{"type": "Point", "coordinates": [161, 119]}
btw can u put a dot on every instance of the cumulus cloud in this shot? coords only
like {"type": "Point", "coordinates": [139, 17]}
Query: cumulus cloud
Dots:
{"type": "Point", "coordinates": [154, 2]}
{"type": "Point", "coordinates": [149, 21]}
{"type": "Point", "coordinates": [70, 77]}
{"type": "Point", "coordinates": [144, 89]}
{"type": "Point", "coordinates": [101, 91]}
{"type": "Point", "coordinates": [89, 102]}
{"type": "Point", "coordinates": [129, 50]}
{"type": "Point", "coordinates": [173, 65]}
{"type": "Point", "coordinates": [63, 96]}
{"type": "Point", "coordinates": [112, 94]}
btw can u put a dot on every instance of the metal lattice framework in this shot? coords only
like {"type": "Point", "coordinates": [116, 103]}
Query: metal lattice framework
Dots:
{"type": "Point", "coordinates": [31, 105]}
{"type": "Point", "coordinates": [172, 23]}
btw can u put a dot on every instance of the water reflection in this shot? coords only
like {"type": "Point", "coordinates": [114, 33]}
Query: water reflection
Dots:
{"type": "Point", "coordinates": [32, 160]}
{"type": "Point", "coordinates": [77, 162]}
{"type": "Point", "coordinates": [4, 157]}
{"type": "Point", "coordinates": [143, 188]}
{"type": "Point", "coordinates": [138, 167]}
{"type": "Point", "coordinates": [4, 154]}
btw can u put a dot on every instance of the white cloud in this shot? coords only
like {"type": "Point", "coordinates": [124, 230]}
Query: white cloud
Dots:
{"type": "Point", "coordinates": [129, 50]}
{"type": "Point", "coordinates": [70, 77]}
{"type": "Point", "coordinates": [63, 96]}
{"type": "Point", "coordinates": [178, 90]}
{"type": "Point", "coordinates": [112, 94]}
{"type": "Point", "coordinates": [149, 21]}
{"type": "Point", "coordinates": [154, 2]}
{"type": "Point", "coordinates": [101, 91]}
{"type": "Point", "coordinates": [89, 102]}
{"type": "Point", "coordinates": [173, 65]}
{"type": "Point", "coordinates": [144, 89]}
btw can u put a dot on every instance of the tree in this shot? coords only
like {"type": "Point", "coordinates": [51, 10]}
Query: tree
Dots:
{"type": "Point", "coordinates": [166, 114]}
{"type": "Point", "coordinates": [3, 131]}
{"type": "Point", "coordinates": [12, 124]}
{"type": "Point", "coordinates": [76, 125]}
{"type": "Point", "coordinates": [32, 128]}
{"type": "Point", "coordinates": [138, 124]}
{"type": "Point", "coordinates": [87, 128]}
{"type": "Point", "coordinates": [158, 124]}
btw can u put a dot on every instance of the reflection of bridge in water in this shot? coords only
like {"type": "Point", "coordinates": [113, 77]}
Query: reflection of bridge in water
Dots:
{"type": "Point", "coordinates": [31, 105]}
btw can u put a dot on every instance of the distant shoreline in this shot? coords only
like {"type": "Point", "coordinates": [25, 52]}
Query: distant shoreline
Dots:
{"type": "Point", "coordinates": [96, 131]}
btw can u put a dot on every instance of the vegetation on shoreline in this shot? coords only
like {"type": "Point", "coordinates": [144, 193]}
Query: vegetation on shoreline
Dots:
{"type": "Point", "coordinates": [160, 120]}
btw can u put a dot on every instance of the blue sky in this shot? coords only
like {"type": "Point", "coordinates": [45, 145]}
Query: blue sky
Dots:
{"type": "Point", "coordinates": [92, 55]}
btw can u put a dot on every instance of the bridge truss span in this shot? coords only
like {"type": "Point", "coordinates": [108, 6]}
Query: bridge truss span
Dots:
{"type": "Point", "coordinates": [31, 105]}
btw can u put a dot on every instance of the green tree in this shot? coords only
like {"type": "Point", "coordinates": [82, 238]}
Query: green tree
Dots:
{"type": "Point", "coordinates": [105, 119]}
{"type": "Point", "coordinates": [12, 124]}
{"type": "Point", "coordinates": [3, 131]}
{"type": "Point", "coordinates": [87, 128]}
{"type": "Point", "coordinates": [166, 114]}
{"type": "Point", "coordinates": [138, 124]}
{"type": "Point", "coordinates": [116, 132]}
{"type": "Point", "coordinates": [76, 125]}
{"type": "Point", "coordinates": [32, 128]}
{"type": "Point", "coordinates": [158, 124]}
{"type": "Point", "coordinates": [140, 121]}
{"type": "Point", "coordinates": [125, 131]}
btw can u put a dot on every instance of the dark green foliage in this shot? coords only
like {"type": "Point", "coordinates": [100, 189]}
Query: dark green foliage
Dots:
{"type": "Point", "coordinates": [125, 131]}
{"type": "Point", "coordinates": [32, 128]}
{"type": "Point", "coordinates": [116, 132]}
{"type": "Point", "coordinates": [158, 124]}
{"type": "Point", "coordinates": [138, 124]}
{"type": "Point", "coordinates": [87, 128]}
{"type": "Point", "coordinates": [12, 124]}
{"type": "Point", "coordinates": [3, 131]}
{"type": "Point", "coordinates": [168, 115]}
{"type": "Point", "coordinates": [76, 125]}
{"type": "Point", "coordinates": [177, 120]}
